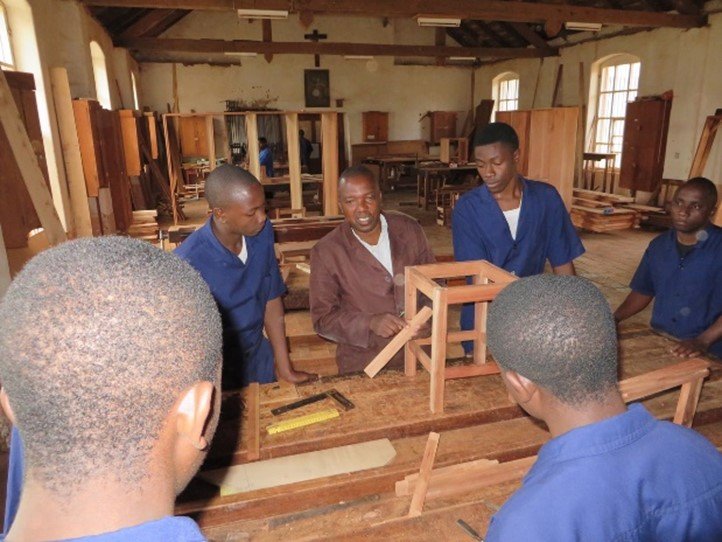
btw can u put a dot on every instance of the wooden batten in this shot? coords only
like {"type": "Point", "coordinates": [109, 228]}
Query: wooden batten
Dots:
{"type": "Point", "coordinates": [254, 164]}
{"type": "Point", "coordinates": [211, 142]}
{"type": "Point", "coordinates": [329, 140]}
{"type": "Point", "coordinates": [294, 160]}
{"type": "Point", "coordinates": [107, 216]}
{"type": "Point", "coordinates": [72, 159]}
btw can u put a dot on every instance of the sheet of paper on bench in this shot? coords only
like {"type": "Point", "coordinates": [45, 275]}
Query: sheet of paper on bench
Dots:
{"type": "Point", "coordinates": [301, 467]}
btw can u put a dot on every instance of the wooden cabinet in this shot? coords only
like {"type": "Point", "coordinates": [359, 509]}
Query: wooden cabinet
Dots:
{"type": "Point", "coordinates": [645, 142]}
{"type": "Point", "coordinates": [194, 137]}
{"type": "Point", "coordinates": [443, 124]}
{"type": "Point", "coordinates": [17, 213]}
{"type": "Point", "coordinates": [375, 126]}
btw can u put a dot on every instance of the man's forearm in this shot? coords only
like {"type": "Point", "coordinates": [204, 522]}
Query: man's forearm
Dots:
{"type": "Point", "coordinates": [634, 303]}
{"type": "Point", "coordinates": [275, 326]}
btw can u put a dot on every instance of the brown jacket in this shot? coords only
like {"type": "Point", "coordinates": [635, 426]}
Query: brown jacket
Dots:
{"type": "Point", "coordinates": [349, 286]}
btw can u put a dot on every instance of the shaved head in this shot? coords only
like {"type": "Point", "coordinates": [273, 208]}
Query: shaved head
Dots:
{"type": "Point", "coordinates": [356, 172]}
{"type": "Point", "coordinates": [98, 340]}
{"type": "Point", "coordinates": [228, 183]}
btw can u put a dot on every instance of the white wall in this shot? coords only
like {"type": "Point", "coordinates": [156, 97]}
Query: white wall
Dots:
{"type": "Point", "coordinates": [688, 62]}
{"type": "Point", "coordinates": [406, 92]}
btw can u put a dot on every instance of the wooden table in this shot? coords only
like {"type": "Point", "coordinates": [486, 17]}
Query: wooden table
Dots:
{"type": "Point", "coordinates": [478, 422]}
{"type": "Point", "coordinates": [607, 173]}
{"type": "Point", "coordinates": [391, 168]}
{"type": "Point", "coordinates": [431, 176]}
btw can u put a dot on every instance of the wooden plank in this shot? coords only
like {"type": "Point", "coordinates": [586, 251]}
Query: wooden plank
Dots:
{"type": "Point", "coordinates": [211, 142]}
{"type": "Point", "coordinates": [329, 140]}
{"type": "Point", "coordinates": [439, 327]}
{"type": "Point", "coordinates": [688, 399]}
{"type": "Point", "coordinates": [253, 404]}
{"type": "Point", "coordinates": [422, 483]}
{"type": "Point", "coordinates": [663, 379]}
{"type": "Point", "coordinates": [395, 344]}
{"type": "Point", "coordinates": [405, 487]}
{"type": "Point", "coordinates": [72, 159]}
{"type": "Point", "coordinates": [254, 164]}
{"type": "Point", "coordinates": [490, 10]}
{"type": "Point", "coordinates": [28, 165]}
{"type": "Point", "coordinates": [129, 132]}
{"type": "Point", "coordinates": [294, 160]}
{"type": "Point", "coordinates": [107, 216]}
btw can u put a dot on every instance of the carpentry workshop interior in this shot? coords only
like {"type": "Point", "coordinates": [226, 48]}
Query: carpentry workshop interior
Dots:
{"type": "Point", "coordinates": [405, 375]}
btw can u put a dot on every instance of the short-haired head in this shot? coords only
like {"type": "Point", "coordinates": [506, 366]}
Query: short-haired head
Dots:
{"type": "Point", "coordinates": [98, 339]}
{"type": "Point", "coordinates": [496, 132]}
{"type": "Point", "coordinates": [558, 332]}
{"type": "Point", "coordinates": [263, 142]}
{"type": "Point", "coordinates": [354, 172]}
{"type": "Point", "coordinates": [226, 183]}
{"type": "Point", "coordinates": [706, 187]}
{"type": "Point", "coordinates": [301, 133]}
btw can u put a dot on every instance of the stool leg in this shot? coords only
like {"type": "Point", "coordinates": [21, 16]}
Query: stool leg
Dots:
{"type": "Point", "coordinates": [480, 310]}
{"type": "Point", "coordinates": [410, 310]}
{"type": "Point", "coordinates": [438, 349]}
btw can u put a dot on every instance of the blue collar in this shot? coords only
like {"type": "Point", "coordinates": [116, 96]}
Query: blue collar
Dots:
{"type": "Point", "coordinates": [597, 438]}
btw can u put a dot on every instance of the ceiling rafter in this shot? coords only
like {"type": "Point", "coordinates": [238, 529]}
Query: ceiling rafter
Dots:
{"type": "Point", "coordinates": [149, 24]}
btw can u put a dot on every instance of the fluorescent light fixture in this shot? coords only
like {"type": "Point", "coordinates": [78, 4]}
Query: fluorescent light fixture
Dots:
{"type": "Point", "coordinates": [448, 22]}
{"type": "Point", "coordinates": [263, 14]}
{"type": "Point", "coordinates": [240, 53]}
{"type": "Point", "coordinates": [583, 27]}
{"type": "Point", "coordinates": [465, 58]}
{"type": "Point", "coordinates": [358, 57]}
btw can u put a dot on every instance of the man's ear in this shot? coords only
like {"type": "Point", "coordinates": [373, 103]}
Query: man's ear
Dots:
{"type": "Point", "coordinates": [193, 412]}
{"type": "Point", "coordinates": [521, 387]}
{"type": "Point", "coordinates": [515, 155]}
{"type": "Point", "coordinates": [218, 214]}
{"type": "Point", "coordinates": [5, 405]}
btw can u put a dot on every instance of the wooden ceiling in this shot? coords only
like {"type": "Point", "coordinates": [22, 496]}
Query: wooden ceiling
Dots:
{"type": "Point", "coordinates": [492, 29]}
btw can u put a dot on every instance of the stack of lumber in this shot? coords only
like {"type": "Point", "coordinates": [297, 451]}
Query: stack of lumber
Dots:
{"type": "Point", "coordinates": [144, 225]}
{"type": "Point", "coordinates": [601, 212]}
{"type": "Point", "coordinates": [652, 216]}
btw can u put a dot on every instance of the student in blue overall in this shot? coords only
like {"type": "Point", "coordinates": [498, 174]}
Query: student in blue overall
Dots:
{"type": "Point", "coordinates": [115, 418]}
{"type": "Point", "coordinates": [234, 253]}
{"type": "Point", "coordinates": [515, 223]}
{"type": "Point", "coordinates": [682, 271]}
{"type": "Point", "coordinates": [265, 157]}
{"type": "Point", "coordinates": [609, 472]}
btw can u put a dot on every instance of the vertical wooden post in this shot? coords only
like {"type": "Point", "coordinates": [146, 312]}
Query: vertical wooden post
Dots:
{"type": "Point", "coordinates": [254, 164]}
{"type": "Point", "coordinates": [5, 277]}
{"type": "Point", "coordinates": [329, 142]}
{"type": "Point", "coordinates": [687, 404]}
{"type": "Point", "coordinates": [480, 311]}
{"type": "Point", "coordinates": [438, 349]}
{"type": "Point", "coordinates": [294, 160]}
{"type": "Point", "coordinates": [28, 165]}
{"type": "Point", "coordinates": [224, 138]}
{"type": "Point", "coordinates": [410, 309]}
{"type": "Point", "coordinates": [78, 192]}
{"type": "Point", "coordinates": [172, 173]}
{"type": "Point", "coordinates": [211, 139]}
{"type": "Point", "coordinates": [422, 483]}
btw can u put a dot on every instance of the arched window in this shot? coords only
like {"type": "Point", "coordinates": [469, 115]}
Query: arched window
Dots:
{"type": "Point", "coordinates": [6, 53]}
{"type": "Point", "coordinates": [134, 84]}
{"type": "Point", "coordinates": [505, 91]}
{"type": "Point", "coordinates": [100, 74]}
{"type": "Point", "coordinates": [617, 84]}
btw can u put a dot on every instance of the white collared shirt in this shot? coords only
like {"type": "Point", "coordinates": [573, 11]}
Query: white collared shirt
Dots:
{"type": "Point", "coordinates": [244, 251]}
{"type": "Point", "coordinates": [381, 250]}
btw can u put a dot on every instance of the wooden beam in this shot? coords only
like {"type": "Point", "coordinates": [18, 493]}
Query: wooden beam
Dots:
{"type": "Point", "coordinates": [144, 45]}
{"type": "Point", "coordinates": [5, 278]}
{"type": "Point", "coordinates": [422, 482]}
{"type": "Point", "coordinates": [78, 192]}
{"type": "Point", "coordinates": [294, 160]}
{"type": "Point", "coordinates": [267, 37]}
{"type": "Point", "coordinates": [254, 164]}
{"type": "Point", "coordinates": [329, 141]}
{"type": "Point", "coordinates": [529, 35]}
{"type": "Point", "coordinates": [147, 23]}
{"type": "Point", "coordinates": [489, 10]}
{"type": "Point", "coordinates": [28, 166]}
{"type": "Point", "coordinates": [211, 139]}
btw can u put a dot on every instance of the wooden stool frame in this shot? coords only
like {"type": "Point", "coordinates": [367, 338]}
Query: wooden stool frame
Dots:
{"type": "Point", "coordinates": [488, 280]}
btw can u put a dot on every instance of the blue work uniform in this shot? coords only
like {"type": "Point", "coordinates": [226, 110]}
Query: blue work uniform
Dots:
{"type": "Point", "coordinates": [241, 292]}
{"type": "Point", "coordinates": [687, 290]}
{"type": "Point", "coordinates": [627, 478]}
{"type": "Point", "coordinates": [16, 468]}
{"type": "Point", "coordinates": [545, 232]}
{"type": "Point", "coordinates": [169, 528]}
{"type": "Point", "coordinates": [266, 159]}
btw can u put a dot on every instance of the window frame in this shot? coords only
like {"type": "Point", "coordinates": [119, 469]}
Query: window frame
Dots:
{"type": "Point", "coordinates": [6, 40]}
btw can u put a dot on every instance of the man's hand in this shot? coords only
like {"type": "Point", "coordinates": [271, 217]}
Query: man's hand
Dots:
{"type": "Point", "coordinates": [386, 324]}
{"type": "Point", "coordinates": [297, 377]}
{"type": "Point", "coordinates": [690, 348]}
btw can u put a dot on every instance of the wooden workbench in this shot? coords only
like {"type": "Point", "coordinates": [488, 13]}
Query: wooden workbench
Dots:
{"type": "Point", "coordinates": [478, 422]}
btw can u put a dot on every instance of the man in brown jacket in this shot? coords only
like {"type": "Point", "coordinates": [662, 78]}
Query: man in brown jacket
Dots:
{"type": "Point", "coordinates": [357, 273]}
